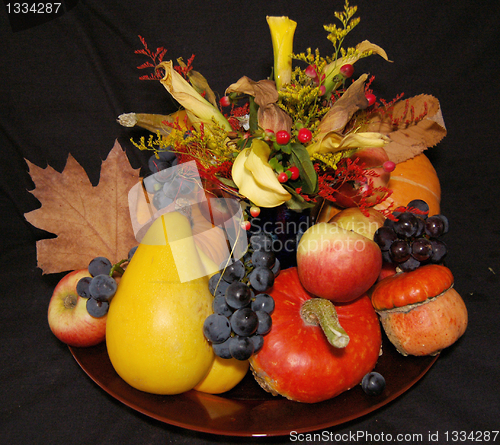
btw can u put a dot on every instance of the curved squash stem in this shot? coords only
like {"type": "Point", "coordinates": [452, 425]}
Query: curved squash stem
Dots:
{"type": "Point", "coordinates": [319, 311]}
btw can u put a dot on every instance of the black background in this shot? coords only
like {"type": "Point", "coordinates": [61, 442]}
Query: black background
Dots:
{"type": "Point", "coordinates": [65, 80]}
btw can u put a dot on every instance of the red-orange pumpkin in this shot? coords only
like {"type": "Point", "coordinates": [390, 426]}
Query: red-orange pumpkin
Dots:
{"type": "Point", "coordinates": [420, 311]}
{"type": "Point", "coordinates": [298, 362]}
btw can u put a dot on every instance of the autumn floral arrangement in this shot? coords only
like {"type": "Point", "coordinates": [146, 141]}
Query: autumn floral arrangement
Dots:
{"type": "Point", "coordinates": [160, 271]}
{"type": "Point", "coordinates": [291, 139]}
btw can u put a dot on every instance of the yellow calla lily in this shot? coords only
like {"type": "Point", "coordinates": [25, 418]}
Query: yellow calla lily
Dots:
{"type": "Point", "coordinates": [282, 31]}
{"type": "Point", "coordinates": [256, 179]}
{"type": "Point", "coordinates": [332, 142]}
{"type": "Point", "coordinates": [199, 109]}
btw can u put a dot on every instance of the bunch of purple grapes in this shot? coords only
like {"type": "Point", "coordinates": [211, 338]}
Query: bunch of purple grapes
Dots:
{"type": "Point", "coordinates": [100, 287]}
{"type": "Point", "coordinates": [412, 238]}
{"type": "Point", "coordinates": [242, 307]}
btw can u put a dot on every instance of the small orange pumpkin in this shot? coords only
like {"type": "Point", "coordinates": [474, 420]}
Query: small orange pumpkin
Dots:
{"type": "Point", "coordinates": [415, 178]}
{"type": "Point", "coordinates": [420, 311]}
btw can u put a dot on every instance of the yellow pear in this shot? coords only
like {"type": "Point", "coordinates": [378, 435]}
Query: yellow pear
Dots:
{"type": "Point", "coordinates": [154, 332]}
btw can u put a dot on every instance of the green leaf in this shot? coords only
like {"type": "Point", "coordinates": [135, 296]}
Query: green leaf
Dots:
{"type": "Point", "coordinates": [227, 182]}
{"type": "Point", "coordinates": [300, 158]}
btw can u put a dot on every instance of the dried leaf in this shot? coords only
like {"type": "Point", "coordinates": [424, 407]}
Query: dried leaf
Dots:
{"type": "Point", "coordinates": [270, 116]}
{"type": "Point", "coordinates": [343, 109]}
{"type": "Point", "coordinates": [264, 91]}
{"type": "Point", "coordinates": [413, 125]}
{"type": "Point", "coordinates": [88, 221]}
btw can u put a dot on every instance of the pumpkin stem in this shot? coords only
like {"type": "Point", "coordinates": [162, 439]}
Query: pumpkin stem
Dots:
{"type": "Point", "coordinates": [320, 311]}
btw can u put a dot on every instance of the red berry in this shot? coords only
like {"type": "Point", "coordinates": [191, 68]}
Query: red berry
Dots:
{"type": "Point", "coordinates": [254, 211]}
{"type": "Point", "coordinates": [311, 72]}
{"type": "Point", "coordinates": [282, 177]}
{"type": "Point", "coordinates": [224, 101]}
{"type": "Point", "coordinates": [347, 70]}
{"type": "Point", "coordinates": [370, 98]}
{"type": "Point", "coordinates": [304, 135]}
{"type": "Point", "coordinates": [295, 172]}
{"type": "Point", "coordinates": [389, 166]}
{"type": "Point", "coordinates": [246, 225]}
{"type": "Point", "coordinates": [282, 137]}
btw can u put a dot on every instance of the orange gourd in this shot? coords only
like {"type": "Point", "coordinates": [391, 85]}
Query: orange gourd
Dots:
{"type": "Point", "coordinates": [415, 178]}
{"type": "Point", "coordinates": [420, 311]}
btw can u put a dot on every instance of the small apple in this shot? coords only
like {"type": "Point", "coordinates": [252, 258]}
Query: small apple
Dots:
{"type": "Point", "coordinates": [68, 318]}
{"type": "Point", "coordinates": [354, 219]}
{"type": "Point", "coordinates": [337, 264]}
{"type": "Point", "coordinates": [373, 159]}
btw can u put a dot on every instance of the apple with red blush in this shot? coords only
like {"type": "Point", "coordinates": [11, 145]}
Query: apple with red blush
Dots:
{"type": "Point", "coordinates": [337, 264]}
{"type": "Point", "coordinates": [378, 167]}
{"type": "Point", "coordinates": [68, 317]}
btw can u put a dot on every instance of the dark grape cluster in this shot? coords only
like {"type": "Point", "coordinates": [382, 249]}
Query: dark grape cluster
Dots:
{"type": "Point", "coordinates": [242, 308]}
{"type": "Point", "coordinates": [412, 238]}
{"type": "Point", "coordinates": [165, 184]}
{"type": "Point", "coordinates": [100, 287]}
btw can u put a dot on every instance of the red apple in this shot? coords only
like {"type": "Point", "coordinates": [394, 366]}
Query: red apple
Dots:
{"type": "Point", "coordinates": [354, 219]}
{"type": "Point", "coordinates": [372, 159]}
{"type": "Point", "coordinates": [68, 317]}
{"type": "Point", "coordinates": [337, 264]}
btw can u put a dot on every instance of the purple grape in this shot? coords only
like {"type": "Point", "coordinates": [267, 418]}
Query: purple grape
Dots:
{"type": "Point", "coordinates": [216, 328]}
{"type": "Point", "coordinates": [100, 266]}
{"type": "Point", "coordinates": [406, 225]}
{"type": "Point", "coordinates": [222, 349]}
{"type": "Point", "coordinates": [419, 207]}
{"type": "Point", "coordinates": [373, 383]}
{"type": "Point", "coordinates": [263, 258]}
{"type": "Point", "coordinates": [241, 348]}
{"type": "Point", "coordinates": [233, 272]}
{"type": "Point", "coordinates": [220, 306]}
{"type": "Point", "coordinates": [103, 287]}
{"type": "Point", "coordinates": [435, 226]}
{"type": "Point", "coordinates": [400, 251]}
{"type": "Point", "coordinates": [97, 309]}
{"type": "Point", "coordinates": [421, 249]}
{"type": "Point", "coordinates": [409, 265]}
{"type": "Point", "coordinates": [265, 323]}
{"type": "Point", "coordinates": [82, 287]}
{"type": "Point", "coordinates": [384, 237]}
{"type": "Point", "coordinates": [439, 250]}
{"type": "Point", "coordinates": [258, 342]}
{"type": "Point", "coordinates": [261, 279]}
{"type": "Point", "coordinates": [244, 322]}
{"type": "Point", "coordinates": [238, 295]}
{"type": "Point", "coordinates": [263, 302]}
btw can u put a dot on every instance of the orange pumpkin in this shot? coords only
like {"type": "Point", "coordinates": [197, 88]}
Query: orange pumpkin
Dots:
{"type": "Point", "coordinates": [415, 178]}
{"type": "Point", "coordinates": [420, 311]}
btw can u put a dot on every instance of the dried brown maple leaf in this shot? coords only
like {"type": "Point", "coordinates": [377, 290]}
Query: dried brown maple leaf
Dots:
{"type": "Point", "coordinates": [413, 125]}
{"type": "Point", "coordinates": [88, 221]}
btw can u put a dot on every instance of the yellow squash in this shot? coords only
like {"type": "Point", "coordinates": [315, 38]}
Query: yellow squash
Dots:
{"type": "Point", "coordinates": [154, 332]}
